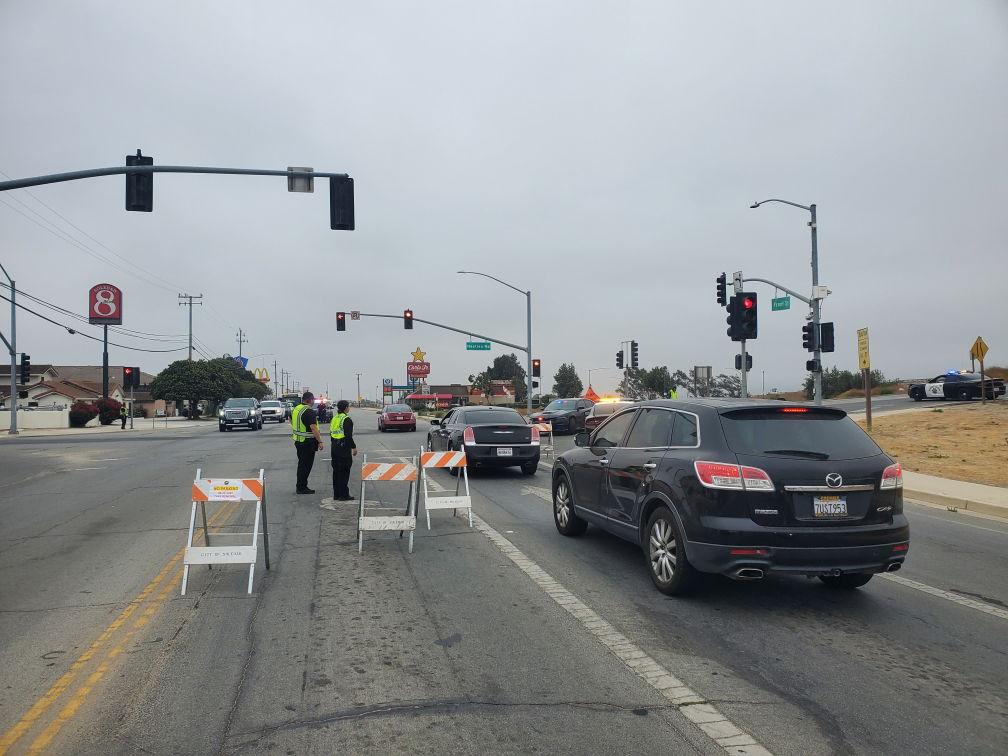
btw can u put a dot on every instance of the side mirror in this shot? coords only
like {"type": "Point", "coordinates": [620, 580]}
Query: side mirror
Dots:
{"type": "Point", "coordinates": [435, 422]}
{"type": "Point", "coordinates": [582, 439]}
{"type": "Point", "coordinates": [379, 411]}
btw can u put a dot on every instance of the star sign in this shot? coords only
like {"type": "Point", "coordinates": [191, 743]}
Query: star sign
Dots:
{"type": "Point", "coordinates": [418, 355]}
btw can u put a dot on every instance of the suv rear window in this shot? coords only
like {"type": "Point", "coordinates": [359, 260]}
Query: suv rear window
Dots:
{"type": "Point", "coordinates": [804, 432]}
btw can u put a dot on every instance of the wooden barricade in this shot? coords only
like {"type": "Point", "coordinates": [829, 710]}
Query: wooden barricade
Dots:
{"type": "Point", "coordinates": [451, 460]}
{"type": "Point", "coordinates": [545, 429]}
{"type": "Point", "coordinates": [224, 490]}
{"type": "Point", "coordinates": [372, 516]}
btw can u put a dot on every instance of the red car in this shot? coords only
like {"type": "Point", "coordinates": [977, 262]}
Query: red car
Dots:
{"type": "Point", "coordinates": [397, 416]}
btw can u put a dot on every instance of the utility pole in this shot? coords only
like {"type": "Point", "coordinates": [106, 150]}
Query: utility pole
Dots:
{"type": "Point", "coordinates": [12, 346]}
{"type": "Point", "coordinates": [241, 340]}
{"type": "Point", "coordinates": [190, 297]}
{"type": "Point", "coordinates": [276, 383]}
{"type": "Point", "coordinates": [358, 388]}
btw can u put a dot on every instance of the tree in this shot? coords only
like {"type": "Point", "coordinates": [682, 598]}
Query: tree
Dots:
{"type": "Point", "coordinates": [507, 368]}
{"type": "Point", "coordinates": [566, 381]}
{"type": "Point", "coordinates": [183, 380]}
{"type": "Point", "coordinates": [726, 386]}
{"type": "Point", "coordinates": [481, 382]}
{"type": "Point", "coordinates": [632, 386]}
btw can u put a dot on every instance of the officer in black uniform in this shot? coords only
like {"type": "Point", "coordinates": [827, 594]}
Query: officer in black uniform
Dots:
{"type": "Point", "coordinates": [343, 451]}
{"type": "Point", "coordinates": [307, 440]}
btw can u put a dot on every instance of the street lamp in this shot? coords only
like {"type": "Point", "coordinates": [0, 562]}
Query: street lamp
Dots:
{"type": "Point", "coordinates": [528, 322]}
{"type": "Point", "coordinates": [817, 355]}
{"type": "Point", "coordinates": [590, 371]}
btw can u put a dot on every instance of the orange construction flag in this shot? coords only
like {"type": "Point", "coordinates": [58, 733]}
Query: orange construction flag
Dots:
{"type": "Point", "coordinates": [589, 394]}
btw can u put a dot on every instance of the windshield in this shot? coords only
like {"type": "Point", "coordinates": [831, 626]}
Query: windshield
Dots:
{"type": "Point", "coordinates": [398, 408]}
{"type": "Point", "coordinates": [561, 404]}
{"type": "Point", "coordinates": [240, 403]}
{"type": "Point", "coordinates": [607, 408]}
{"type": "Point", "coordinates": [270, 403]}
{"type": "Point", "coordinates": [808, 433]}
{"type": "Point", "coordinates": [494, 416]}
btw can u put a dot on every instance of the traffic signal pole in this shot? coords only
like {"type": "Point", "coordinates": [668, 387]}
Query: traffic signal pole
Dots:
{"type": "Point", "coordinates": [745, 371]}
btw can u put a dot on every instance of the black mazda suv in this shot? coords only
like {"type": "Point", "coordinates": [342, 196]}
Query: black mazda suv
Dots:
{"type": "Point", "coordinates": [737, 487]}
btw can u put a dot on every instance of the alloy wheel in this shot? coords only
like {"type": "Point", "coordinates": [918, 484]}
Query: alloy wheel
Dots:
{"type": "Point", "coordinates": [663, 549]}
{"type": "Point", "coordinates": [562, 502]}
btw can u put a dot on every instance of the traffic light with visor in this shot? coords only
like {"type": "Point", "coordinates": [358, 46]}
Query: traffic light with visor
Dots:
{"type": "Point", "coordinates": [341, 203]}
{"type": "Point", "coordinates": [340, 321]}
{"type": "Point", "coordinates": [25, 368]}
{"type": "Point", "coordinates": [634, 362]}
{"type": "Point", "coordinates": [131, 378]}
{"type": "Point", "coordinates": [826, 339]}
{"type": "Point", "coordinates": [722, 289]}
{"type": "Point", "coordinates": [619, 359]}
{"type": "Point", "coordinates": [536, 367]}
{"type": "Point", "coordinates": [746, 303]}
{"type": "Point", "coordinates": [407, 318]}
{"type": "Point", "coordinates": [139, 186]}
{"type": "Point", "coordinates": [808, 337]}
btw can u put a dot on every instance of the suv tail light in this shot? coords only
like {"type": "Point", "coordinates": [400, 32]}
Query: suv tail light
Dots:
{"type": "Point", "coordinates": [535, 436]}
{"type": "Point", "coordinates": [468, 437]}
{"type": "Point", "coordinates": [732, 477]}
{"type": "Point", "coordinates": [892, 477]}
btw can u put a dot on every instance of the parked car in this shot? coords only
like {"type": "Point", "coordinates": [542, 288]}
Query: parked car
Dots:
{"type": "Point", "coordinates": [737, 487]}
{"type": "Point", "coordinates": [396, 416]}
{"type": "Point", "coordinates": [565, 415]}
{"type": "Point", "coordinates": [600, 411]}
{"type": "Point", "coordinates": [490, 437]}
{"type": "Point", "coordinates": [272, 409]}
{"type": "Point", "coordinates": [239, 413]}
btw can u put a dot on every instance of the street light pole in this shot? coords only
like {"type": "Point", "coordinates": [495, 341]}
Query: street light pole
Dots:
{"type": "Point", "coordinates": [528, 333]}
{"type": "Point", "coordinates": [817, 354]}
{"type": "Point", "coordinates": [358, 389]}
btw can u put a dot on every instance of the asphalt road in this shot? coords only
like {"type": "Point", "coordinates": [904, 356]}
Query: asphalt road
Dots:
{"type": "Point", "coordinates": [501, 638]}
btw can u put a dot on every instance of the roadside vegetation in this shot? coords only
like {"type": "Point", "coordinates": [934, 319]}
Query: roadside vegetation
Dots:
{"type": "Point", "coordinates": [212, 381]}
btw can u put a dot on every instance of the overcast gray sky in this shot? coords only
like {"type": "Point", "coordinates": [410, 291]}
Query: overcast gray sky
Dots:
{"type": "Point", "coordinates": [602, 154]}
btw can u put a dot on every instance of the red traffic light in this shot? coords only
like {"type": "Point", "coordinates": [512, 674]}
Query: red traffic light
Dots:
{"type": "Point", "coordinates": [748, 303]}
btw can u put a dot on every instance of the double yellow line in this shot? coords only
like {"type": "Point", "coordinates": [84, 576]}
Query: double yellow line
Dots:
{"type": "Point", "coordinates": [45, 738]}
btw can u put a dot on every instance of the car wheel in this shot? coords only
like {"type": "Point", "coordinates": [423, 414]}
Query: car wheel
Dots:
{"type": "Point", "coordinates": [847, 581]}
{"type": "Point", "coordinates": [964, 394]}
{"type": "Point", "coordinates": [566, 521]}
{"type": "Point", "coordinates": [917, 396]}
{"type": "Point", "coordinates": [670, 570]}
{"type": "Point", "coordinates": [529, 468]}
{"type": "Point", "coordinates": [412, 429]}
{"type": "Point", "coordinates": [455, 470]}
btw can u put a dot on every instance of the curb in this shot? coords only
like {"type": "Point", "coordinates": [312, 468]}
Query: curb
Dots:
{"type": "Point", "coordinates": [979, 507]}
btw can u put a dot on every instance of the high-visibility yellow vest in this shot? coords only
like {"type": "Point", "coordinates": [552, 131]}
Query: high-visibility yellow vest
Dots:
{"type": "Point", "coordinates": [336, 427]}
{"type": "Point", "coordinates": [301, 433]}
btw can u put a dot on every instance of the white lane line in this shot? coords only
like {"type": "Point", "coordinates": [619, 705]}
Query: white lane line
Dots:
{"type": "Point", "coordinates": [980, 606]}
{"type": "Point", "coordinates": [542, 493]}
{"type": "Point", "coordinates": [689, 703]}
{"type": "Point", "coordinates": [76, 469]}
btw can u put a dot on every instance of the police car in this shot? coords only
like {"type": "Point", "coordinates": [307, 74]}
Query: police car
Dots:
{"type": "Point", "coordinates": [956, 384]}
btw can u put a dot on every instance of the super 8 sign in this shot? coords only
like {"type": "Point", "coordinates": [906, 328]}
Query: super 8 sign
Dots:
{"type": "Point", "coordinates": [105, 305]}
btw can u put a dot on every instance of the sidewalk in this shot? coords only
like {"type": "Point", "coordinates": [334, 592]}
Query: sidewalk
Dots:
{"type": "Point", "coordinates": [140, 424]}
{"type": "Point", "coordinates": [973, 497]}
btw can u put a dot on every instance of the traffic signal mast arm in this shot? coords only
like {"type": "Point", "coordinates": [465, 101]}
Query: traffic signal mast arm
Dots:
{"type": "Point", "coordinates": [794, 294]}
{"type": "Point", "coordinates": [447, 328]}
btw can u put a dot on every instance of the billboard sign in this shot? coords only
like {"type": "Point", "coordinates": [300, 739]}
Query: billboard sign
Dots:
{"type": "Point", "coordinates": [105, 305]}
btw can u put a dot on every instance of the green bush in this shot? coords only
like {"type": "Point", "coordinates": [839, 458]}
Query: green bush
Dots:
{"type": "Point", "coordinates": [82, 413]}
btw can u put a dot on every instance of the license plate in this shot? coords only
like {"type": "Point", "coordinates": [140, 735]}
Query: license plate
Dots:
{"type": "Point", "coordinates": [504, 451]}
{"type": "Point", "coordinates": [829, 506]}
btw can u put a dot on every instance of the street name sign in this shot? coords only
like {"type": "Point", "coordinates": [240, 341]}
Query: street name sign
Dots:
{"type": "Point", "coordinates": [780, 303]}
{"type": "Point", "coordinates": [478, 346]}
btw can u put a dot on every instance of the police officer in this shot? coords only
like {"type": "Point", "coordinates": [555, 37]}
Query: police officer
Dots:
{"type": "Point", "coordinates": [307, 440]}
{"type": "Point", "coordinates": [343, 450]}
{"type": "Point", "coordinates": [122, 416]}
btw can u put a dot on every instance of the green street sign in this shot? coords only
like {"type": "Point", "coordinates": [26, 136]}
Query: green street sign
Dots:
{"type": "Point", "coordinates": [478, 346]}
{"type": "Point", "coordinates": [780, 303]}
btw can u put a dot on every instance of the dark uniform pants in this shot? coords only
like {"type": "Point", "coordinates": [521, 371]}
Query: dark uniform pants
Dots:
{"type": "Point", "coordinates": [342, 461]}
{"type": "Point", "coordinates": [306, 451]}
{"type": "Point", "coordinates": [123, 418]}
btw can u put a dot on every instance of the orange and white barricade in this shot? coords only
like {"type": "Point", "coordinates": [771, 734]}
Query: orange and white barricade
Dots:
{"type": "Point", "coordinates": [448, 460]}
{"type": "Point", "coordinates": [227, 490]}
{"type": "Point", "coordinates": [545, 429]}
{"type": "Point", "coordinates": [375, 515]}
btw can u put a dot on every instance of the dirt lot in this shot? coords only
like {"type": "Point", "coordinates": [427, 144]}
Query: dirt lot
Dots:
{"type": "Point", "coordinates": [966, 441]}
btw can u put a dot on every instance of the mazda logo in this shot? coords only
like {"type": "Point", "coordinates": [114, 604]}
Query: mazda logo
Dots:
{"type": "Point", "coordinates": [834, 480]}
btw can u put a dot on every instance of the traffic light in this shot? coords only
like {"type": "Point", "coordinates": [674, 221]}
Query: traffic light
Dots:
{"type": "Point", "coordinates": [808, 337]}
{"type": "Point", "coordinates": [733, 320]}
{"type": "Point", "coordinates": [341, 203]}
{"type": "Point", "coordinates": [407, 319]}
{"type": "Point", "coordinates": [340, 321]}
{"type": "Point", "coordinates": [536, 366]}
{"type": "Point", "coordinates": [748, 362]}
{"type": "Point", "coordinates": [746, 302]}
{"type": "Point", "coordinates": [826, 337]}
{"type": "Point", "coordinates": [634, 363]}
{"type": "Point", "coordinates": [25, 368]}
{"type": "Point", "coordinates": [619, 359]}
{"type": "Point", "coordinates": [131, 378]}
{"type": "Point", "coordinates": [813, 366]}
{"type": "Point", "coordinates": [139, 186]}
{"type": "Point", "coordinates": [722, 289]}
